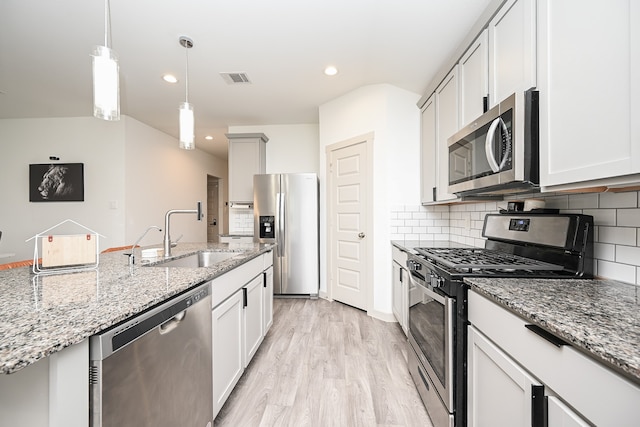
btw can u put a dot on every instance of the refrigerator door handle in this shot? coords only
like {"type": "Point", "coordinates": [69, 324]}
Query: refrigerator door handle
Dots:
{"type": "Point", "coordinates": [281, 228]}
{"type": "Point", "coordinates": [279, 225]}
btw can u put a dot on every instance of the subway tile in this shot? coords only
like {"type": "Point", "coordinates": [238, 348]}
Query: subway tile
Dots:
{"type": "Point", "coordinates": [619, 200]}
{"type": "Point", "coordinates": [604, 251]}
{"type": "Point", "coordinates": [427, 222]}
{"type": "Point", "coordinates": [557, 202]}
{"type": "Point", "coordinates": [628, 218]}
{"type": "Point", "coordinates": [419, 215]}
{"type": "Point", "coordinates": [583, 201]}
{"type": "Point", "coordinates": [628, 255]}
{"type": "Point", "coordinates": [419, 230]}
{"type": "Point", "coordinates": [404, 230]}
{"type": "Point", "coordinates": [411, 222]}
{"type": "Point", "coordinates": [414, 208]}
{"type": "Point", "coordinates": [441, 222]}
{"type": "Point", "coordinates": [397, 208]}
{"type": "Point", "coordinates": [434, 230]}
{"type": "Point", "coordinates": [616, 235]}
{"type": "Point", "coordinates": [404, 215]}
{"type": "Point", "coordinates": [602, 216]}
{"type": "Point", "coordinates": [614, 271]}
{"type": "Point", "coordinates": [397, 222]}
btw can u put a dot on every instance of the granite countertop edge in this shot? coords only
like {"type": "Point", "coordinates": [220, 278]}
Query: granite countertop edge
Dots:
{"type": "Point", "coordinates": [41, 315]}
{"type": "Point", "coordinates": [600, 318]}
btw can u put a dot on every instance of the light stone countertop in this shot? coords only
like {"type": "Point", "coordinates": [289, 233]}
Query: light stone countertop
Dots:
{"type": "Point", "coordinates": [40, 315]}
{"type": "Point", "coordinates": [598, 317]}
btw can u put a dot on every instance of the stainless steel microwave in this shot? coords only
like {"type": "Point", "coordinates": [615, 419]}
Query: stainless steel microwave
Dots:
{"type": "Point", "coordinates": [498, 152]}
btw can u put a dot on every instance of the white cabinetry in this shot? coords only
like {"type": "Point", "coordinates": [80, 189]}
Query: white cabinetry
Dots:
{"type": "Point", "coordinates": [400, 284]}
{"type": "Point", "coordinates": [474, 79]}
{"type": "Point", "coordinates": [268, 296]}
{"type": "Point", "coordinates": [512, 50]}
{"type": "Point", "coordinates": [589, 81]}
{"type": "Point", "coordinates": [596, 394]}
{"type": "Point", "coordinates": [236, 239]}
{"type": "Point", "coordinates": [499, 392]}
{"type": "Point", "coordinates": [247, 157]}
{"type": "Point", "coordinates": [428, 151]}
{"type": "Point", "coordinates": [227, 348]}
{"type": "Point", "coordinates": [447, 124]}
{"type": "Point", "coordinates": [240, 305]}
{"type": "Point", "coordinates": [253, 318]}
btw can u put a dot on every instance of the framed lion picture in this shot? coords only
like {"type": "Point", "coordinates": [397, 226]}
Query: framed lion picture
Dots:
{"type": "Point", "coordinates": [58, 182]}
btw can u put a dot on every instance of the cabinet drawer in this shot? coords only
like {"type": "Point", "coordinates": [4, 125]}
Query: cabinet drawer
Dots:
{"type": "Point", "coordinates": [226, 285]}
{"type": "Point", "coordinates": [399, 256]}
{"type": "Point", "coordinates": [580, 380]}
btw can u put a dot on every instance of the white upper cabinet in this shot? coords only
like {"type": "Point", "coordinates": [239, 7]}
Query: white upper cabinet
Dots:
{"type": "Point", "coordinates": [474, 79]}
{"type": "Point", "coordinates": [589, 81]}
{"type": "Point", "coordinates": [428, 151]}
{"type": "Point", "coordinates": [447, 123]}
{"type": "Point", "coordinates": [512, 49]}
{"type": "Point", "coordinates": [247, 157]}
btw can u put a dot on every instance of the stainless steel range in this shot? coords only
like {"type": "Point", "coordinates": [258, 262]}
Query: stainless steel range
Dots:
{"type": "Point", "coordinates": [531, 245]}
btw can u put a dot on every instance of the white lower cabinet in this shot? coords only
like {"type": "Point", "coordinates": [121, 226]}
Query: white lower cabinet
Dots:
{"type": "Point", "coordinates": [252, 318]}
{"type": "Point", "coordinates": [268, 298]}
{"type": "Point", "coordinates": [400, 286]}
{"type": "Point", "coordinates": [515, 370]}
{"type": "Point", "coordinates": [242, 313]}
{"type": "Point", "coordinates": [227, 348]}
{"type": "Point", "coordinates": [499, 392]}
{"type": "Point", "coordinates": [560, 415]}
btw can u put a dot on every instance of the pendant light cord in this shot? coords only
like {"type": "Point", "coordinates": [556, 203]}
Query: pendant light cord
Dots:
{"type": "Point", "coordinates": [107, 23]}
{"type": "Point", "coordinates": [186, 79]}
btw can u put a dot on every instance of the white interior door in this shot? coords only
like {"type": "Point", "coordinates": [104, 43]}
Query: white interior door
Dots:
{"type": "Point", "coordinates": [348, 192]}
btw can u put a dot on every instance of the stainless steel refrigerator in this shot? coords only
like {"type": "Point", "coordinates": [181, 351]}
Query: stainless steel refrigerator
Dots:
{"type": "Point", "coordinates": [286, 212]}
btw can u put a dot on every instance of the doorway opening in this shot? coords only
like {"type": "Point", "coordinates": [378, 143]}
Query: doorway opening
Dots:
{"type": "Point", "coordinates": [214, 217]}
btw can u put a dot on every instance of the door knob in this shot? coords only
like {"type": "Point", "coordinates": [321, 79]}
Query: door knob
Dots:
{"type": "Point", "coordinates": [361, 235]}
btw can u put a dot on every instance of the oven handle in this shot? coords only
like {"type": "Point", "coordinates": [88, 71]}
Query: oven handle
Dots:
{"type": "Point", "coordinates": [488, 145]}
{"type": "Point", "coordinates": [431, 294]}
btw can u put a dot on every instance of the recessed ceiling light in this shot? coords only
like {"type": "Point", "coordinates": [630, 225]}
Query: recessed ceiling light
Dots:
{"type": "Point", "coordinates": [331, 70]}
{"type": "Point", "coordinates": [170, 78]}
{"type": "Point", "coordinates": [208, 137]}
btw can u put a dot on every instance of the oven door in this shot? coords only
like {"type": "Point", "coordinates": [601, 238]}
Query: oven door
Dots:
{"type": "Point", "coordinates": [431, 334]}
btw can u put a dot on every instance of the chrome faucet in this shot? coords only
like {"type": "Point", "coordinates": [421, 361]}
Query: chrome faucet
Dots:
{"type": "Point", "coordinates": [167, 236]}
{"type": "Point", "coordinates": [132, 259]}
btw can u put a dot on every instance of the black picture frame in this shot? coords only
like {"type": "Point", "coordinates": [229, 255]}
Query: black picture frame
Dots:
{"type": "Point", "coordinates": [56, 182]}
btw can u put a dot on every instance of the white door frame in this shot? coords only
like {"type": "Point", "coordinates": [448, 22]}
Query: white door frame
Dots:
{"type": "Point", "coordinates": [367, 139]}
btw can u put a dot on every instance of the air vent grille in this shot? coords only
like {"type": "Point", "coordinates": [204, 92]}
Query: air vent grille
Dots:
{"type": "Point", "coordinates": [236, 78]}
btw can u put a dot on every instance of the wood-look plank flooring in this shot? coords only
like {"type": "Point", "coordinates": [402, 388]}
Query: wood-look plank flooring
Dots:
{"type": "Point", "coordinates": [326, 364]}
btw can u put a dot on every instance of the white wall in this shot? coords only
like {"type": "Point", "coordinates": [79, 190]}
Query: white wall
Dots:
{"type": "Point", "coordinates": [291, 148]}
{"type": "Point", "coordinates": [392, 115]}
{"type": "Point", "coordinates": [133, 174]}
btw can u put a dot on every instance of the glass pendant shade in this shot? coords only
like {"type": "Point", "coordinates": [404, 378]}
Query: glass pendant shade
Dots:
{"type": "Point", "coordinates": [106, 87]}
{"type": "Point", "coordinates": [187, 127]}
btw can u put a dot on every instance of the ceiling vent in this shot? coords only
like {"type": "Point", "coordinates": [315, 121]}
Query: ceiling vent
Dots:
{"type": "Point", "coordinates": [235, 78]}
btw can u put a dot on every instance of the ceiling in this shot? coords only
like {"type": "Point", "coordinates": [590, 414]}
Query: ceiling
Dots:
{"type": "Point", "coordinates": [282, 45]}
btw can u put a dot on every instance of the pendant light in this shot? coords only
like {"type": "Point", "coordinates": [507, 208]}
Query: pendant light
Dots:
{"type": "Point", "coordinates": [106, 87]}
{"type": "Point", "coordinates": [186, 110]}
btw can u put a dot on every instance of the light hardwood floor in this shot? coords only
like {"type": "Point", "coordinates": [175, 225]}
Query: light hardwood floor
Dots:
{"type": "Point", "coordinates": [326, 364]}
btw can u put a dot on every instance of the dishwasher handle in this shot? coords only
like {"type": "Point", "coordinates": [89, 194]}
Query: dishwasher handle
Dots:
{"type": "Point", "coordinates": [173, 323]}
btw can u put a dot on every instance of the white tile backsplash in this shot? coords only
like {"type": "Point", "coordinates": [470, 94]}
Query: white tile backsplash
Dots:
{"type": "Point", "coordinates": [616, 234]}
{"type": "Point", "coordinates": [241, 221]}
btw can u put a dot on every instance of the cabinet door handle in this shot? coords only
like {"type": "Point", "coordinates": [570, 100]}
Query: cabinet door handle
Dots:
{"type": "Point", "coordinates": [264, 279]}
{"type": "Point", "coordinates": [538, 406]}
{"type": "Point", "coordinates": [548, 336]}
{"type": "Point", "coordinates": [244, 298]}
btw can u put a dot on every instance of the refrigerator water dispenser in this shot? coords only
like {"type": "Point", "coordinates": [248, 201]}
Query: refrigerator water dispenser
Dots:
{"type": "Point", "coordinates": [267, 227]}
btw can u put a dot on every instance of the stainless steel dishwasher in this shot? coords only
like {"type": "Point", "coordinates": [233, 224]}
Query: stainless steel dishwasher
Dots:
{"type": "Point", "coordinates": [155, 369]}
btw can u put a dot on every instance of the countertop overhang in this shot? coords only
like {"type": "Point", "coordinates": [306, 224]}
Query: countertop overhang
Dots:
{"type": "Point", "coordinates": [41, 315]}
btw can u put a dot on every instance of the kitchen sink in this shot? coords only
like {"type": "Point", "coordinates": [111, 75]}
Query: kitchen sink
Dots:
{"type": "Point", "coordinates": [199, 259]}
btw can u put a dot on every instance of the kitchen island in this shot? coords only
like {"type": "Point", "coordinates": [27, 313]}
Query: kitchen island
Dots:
{"type": "Point", "coordinates": [45, 320]}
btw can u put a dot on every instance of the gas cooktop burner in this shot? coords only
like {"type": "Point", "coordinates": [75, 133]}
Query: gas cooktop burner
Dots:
{"type": "Point", "coordinates": [483, 259]}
